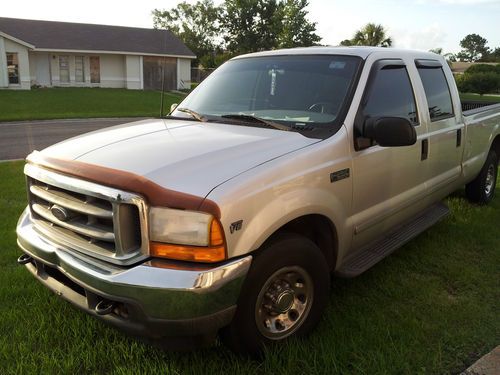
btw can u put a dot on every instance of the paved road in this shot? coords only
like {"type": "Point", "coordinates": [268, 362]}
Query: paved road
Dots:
{"type": "Point", "coordinates": [18, 139]}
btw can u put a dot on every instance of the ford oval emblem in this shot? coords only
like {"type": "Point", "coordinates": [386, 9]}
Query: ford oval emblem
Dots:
{"type": "Point", "coordinates": [59, 212]}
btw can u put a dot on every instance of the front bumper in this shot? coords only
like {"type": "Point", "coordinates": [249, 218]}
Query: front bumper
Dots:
{"type": "Point", "coordinates": [155, 299]}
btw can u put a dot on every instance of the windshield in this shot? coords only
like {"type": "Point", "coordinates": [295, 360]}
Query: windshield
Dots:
{"type": "Point", "coordinates": [291, 90]}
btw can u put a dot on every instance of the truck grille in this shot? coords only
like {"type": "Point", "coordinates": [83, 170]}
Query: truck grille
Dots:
{"type": "Point", "coordinates": [94, 220]}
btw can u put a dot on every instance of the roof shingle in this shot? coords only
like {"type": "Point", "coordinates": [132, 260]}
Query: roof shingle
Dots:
{"type": "Point", "coordinates": [90, 37]}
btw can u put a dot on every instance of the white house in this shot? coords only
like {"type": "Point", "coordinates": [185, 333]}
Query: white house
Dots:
{"type": "Point", "coordinates": [64, 54]}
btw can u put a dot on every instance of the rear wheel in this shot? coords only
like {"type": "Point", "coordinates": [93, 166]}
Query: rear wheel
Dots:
{"type": "Point", "coordinates": [283, 295]}
{"type": "Point", "coordinates": [482, 189]}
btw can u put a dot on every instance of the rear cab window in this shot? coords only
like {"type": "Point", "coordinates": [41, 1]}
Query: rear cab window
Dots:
{"type": "Point", "coordinates": [436, 89]}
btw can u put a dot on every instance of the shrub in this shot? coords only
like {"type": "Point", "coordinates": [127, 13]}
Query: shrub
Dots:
{"type": "Point", "coordinates": [483, 68]}
{"type": "Point", "coordinates": [480, 83]}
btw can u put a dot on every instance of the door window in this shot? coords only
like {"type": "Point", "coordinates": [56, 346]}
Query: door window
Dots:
{"type": "Point", "coordinates": [79, 69]}
{"type": "Point", "coordinates": [63, 69]}
{"type": "Point", "coordinates": [437, 92]}
{"type": "Point", "coordinates": [13, 68]}
{"type": "Point", "coordinates": [391, 95]}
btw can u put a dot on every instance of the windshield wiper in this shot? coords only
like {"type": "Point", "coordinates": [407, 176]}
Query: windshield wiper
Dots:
{"type": "Point", "coordinates": [250, 118]}
{"type": "Point", "coordinates": [195, 115]}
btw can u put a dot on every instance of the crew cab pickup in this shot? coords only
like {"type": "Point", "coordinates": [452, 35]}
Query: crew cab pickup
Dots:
{"type": "Point", "coordinates": [229, 215]}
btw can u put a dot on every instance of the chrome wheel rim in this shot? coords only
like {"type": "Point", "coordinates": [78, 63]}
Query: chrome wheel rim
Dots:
{"type": "Point", "coordinates": [284, 302]}
{"type": "Point", "coordinates": [490, 180]}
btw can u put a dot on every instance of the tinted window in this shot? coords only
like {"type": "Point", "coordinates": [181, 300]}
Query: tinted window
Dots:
{"type": "Point", "coordinates": [437, 92]}
{"type": "Point", "coordinates": [391, 95]}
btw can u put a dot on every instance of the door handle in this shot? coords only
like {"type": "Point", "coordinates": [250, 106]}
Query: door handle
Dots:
{"type": "Point", "coordinates": [459, 137]}
{"type": "Point", "coordinates": [425, 149]}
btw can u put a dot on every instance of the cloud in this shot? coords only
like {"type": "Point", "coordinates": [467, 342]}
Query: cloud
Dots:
{"type": "Point", "coordinates": [432, 36]}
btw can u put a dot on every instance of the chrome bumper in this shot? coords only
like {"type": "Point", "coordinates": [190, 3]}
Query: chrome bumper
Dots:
{"type": "Point", "coordinates": [164, 299]}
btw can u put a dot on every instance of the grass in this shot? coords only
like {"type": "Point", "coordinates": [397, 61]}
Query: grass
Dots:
{"type": "Point", "coordinates": [481, 98]}
{"type": "Point", "coordinates": [56, 103]}
{"type": "Point", "coordinates": [430, 308]}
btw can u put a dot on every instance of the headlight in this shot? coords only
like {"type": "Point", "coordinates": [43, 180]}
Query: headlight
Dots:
{"type": "Point", "coordinates": [186, 235]}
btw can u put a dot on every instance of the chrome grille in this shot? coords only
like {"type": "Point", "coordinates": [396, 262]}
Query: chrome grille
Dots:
{"type": "Point", "coordinates": [90, 218]}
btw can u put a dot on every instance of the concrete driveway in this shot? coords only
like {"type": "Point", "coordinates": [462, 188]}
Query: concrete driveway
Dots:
{"type": "Point", "coordinates": [18, 139]}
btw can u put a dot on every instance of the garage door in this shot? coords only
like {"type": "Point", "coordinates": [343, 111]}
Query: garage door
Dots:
{"type": "Point", "coordinates": [153, 68]}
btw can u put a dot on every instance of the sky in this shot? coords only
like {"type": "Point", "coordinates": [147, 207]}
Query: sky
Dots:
{"type": "Point", "coordinates": [417, 24]}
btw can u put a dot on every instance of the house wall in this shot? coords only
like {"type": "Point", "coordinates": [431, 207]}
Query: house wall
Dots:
{"type": "Point", "coordinates": [133, 67]}
{"type": "Point", "coordinates": [183, 74]}
{"type": "Point", "coordinates": [24, 66]}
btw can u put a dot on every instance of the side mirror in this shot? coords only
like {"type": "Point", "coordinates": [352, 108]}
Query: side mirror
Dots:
{"type": "Point", "coordinates": [390, 131]}
{"type": "Point", "coordinates": [173, 107]}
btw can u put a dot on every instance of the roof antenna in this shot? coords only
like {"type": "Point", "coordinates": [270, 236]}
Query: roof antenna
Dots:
{"type": "Point", "coordinates": [162, 69]}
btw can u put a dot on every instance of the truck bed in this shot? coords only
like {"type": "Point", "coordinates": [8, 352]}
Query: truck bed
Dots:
{"type": "Point", "coordinates": [470, 107]}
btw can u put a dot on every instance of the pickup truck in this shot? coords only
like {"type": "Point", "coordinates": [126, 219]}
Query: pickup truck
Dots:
{"type": "Point", "coordinates": [228, 216]}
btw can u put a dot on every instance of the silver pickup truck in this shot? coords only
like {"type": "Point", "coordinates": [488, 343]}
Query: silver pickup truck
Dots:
{"type": "Point", "coordinates": [230, 215]}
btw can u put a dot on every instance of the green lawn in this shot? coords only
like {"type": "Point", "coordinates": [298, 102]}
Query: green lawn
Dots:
{"type": "Point", "coordinates": [430, 308]}
{"type": "Point", "coordinates": [477, 97]}
{"type": "Point", "coordinates": [54, 103]}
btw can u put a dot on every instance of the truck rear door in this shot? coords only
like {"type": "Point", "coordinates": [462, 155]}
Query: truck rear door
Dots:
{"type": "Point", "coordinates": [445, 139]}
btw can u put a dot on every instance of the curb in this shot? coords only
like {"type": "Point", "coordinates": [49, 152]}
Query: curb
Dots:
{"type": "Point", "coordinates": [486, 365]}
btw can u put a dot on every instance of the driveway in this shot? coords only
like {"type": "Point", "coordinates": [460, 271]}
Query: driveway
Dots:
{"type": "Point", "coordinates": [18, 139]}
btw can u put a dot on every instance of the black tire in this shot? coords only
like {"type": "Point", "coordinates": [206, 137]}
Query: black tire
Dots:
{"type": "Point", "coordinates": [286, 258]}
{"type": "Point", "coordinates": [482, 189]}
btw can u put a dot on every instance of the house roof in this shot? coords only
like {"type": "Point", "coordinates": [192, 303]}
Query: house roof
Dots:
{"type": "Point", "coordinates": [89, 37]}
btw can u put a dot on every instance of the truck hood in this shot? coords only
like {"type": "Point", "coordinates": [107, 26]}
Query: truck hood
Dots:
{"type": "Point", "coordinates": [186, 156]}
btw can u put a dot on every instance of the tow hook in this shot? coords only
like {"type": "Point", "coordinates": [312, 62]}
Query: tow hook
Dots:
{"type": "Point", "coordinates": [105, 307]}
{"type": "Point", "coordinates": [24, 259]}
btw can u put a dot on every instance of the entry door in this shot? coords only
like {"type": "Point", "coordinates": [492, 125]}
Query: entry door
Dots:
{"type": "Point", "coordinates": [95, 69]}
{"type": "Point", "coordinates": [388, 182]}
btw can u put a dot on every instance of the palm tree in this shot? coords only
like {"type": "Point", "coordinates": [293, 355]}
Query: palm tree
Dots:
{"type": "Point", "coordinates": [371, 35]}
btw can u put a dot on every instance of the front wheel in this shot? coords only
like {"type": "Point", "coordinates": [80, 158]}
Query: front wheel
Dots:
{"type": "Point", "coordinates": [283, 295]}
{"type": "Point", "coordinates": [482, 189]}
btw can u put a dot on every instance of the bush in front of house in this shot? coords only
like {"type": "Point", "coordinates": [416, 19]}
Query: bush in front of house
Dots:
{"type": "Point", "coordinates": [480, 79]}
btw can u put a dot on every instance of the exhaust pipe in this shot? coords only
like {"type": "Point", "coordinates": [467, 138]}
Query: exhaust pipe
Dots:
{"type": "Point", "coordinates": [24, 259]}
{"type": "Point", "coordinates": [105, 307]}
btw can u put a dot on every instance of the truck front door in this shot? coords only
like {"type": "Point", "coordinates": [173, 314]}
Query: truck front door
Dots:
{"type": "Point", "coordinates": [388, 182]}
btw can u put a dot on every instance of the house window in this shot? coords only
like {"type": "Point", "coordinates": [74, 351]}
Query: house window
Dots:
{"type": "Point", "coordinates": [79, 69]}
{"type": "Point", "coordinates": [13, 68]}
{"type": "Point", "coordinates": [63, 69]}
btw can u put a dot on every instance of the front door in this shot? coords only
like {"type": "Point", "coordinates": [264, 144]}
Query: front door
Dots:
{"type": "Point", "coordinates": [388, 182]}
{"type": "Point", "coordinates": [95, 69]}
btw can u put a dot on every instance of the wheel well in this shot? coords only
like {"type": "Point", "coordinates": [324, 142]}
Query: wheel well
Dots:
{"type": "Point", "coordinates": [320, 230]}
{"type": "Point", "coordinates": [495, 146]}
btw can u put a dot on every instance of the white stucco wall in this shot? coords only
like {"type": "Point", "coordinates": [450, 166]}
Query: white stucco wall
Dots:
{"type": "Point", "coordinates": [113, 71]}
{"type": "Point", "coordinates": [4, 78]}
{"type": "Point", "coordinates": [183, 73]}
{"type": "Point", "coordinates": [133, 72]}
{"type": "Point", "coordinates": [24, 66]}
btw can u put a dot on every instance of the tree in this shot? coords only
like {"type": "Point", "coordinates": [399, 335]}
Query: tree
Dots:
{"type": "Point", "coordinates": [196, 25]}
{"type": "Point", "coordinates": [370, 35]}
{"type": "Point", "coordinates": [474, 47]}
{"type": "Point", "coordinates": [254, 25]}
{"type": "Point", "coordinates": [296, 30]}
